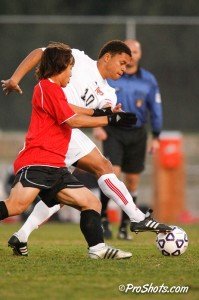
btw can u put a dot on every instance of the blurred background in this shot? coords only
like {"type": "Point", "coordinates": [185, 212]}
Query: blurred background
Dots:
{"type": "Point", "coordinates": [169, 34]}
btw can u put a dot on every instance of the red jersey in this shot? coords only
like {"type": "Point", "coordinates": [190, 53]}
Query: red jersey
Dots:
{"type": "Point", "coordinates": [48, 135]}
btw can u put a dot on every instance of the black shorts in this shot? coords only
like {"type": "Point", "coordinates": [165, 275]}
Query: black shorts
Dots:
{"type": "Point", "coordinates": [49, 180]}
{"type": "Point", "coordinates": [126, 148]}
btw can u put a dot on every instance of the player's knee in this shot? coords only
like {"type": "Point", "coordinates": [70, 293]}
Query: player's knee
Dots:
{"type": "Point", "coordinates": [104, 167]}
{"type": "Point", "coordinates": [16, 206]}
{"type": "Point", "coordinates": [98, 206]}
{"type": "Point", "coordinates": [94, 204]}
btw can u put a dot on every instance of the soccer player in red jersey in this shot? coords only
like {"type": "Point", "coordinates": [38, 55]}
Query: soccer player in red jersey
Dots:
{"type": "Point", "coordinates": [40, 166]}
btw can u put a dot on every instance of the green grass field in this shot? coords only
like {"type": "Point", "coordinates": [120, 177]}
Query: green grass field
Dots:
{"type": "Point", "coordinates": [58, 268]}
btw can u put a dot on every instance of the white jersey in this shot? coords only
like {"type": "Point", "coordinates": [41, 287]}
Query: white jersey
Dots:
{"type": "Point", "coordinates": [87, 88]}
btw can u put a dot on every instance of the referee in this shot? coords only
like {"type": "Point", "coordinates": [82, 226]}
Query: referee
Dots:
{"type": "Point", "coordinates": [138, 92]}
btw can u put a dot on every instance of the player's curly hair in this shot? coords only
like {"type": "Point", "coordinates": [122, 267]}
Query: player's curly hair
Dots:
{"type": "Point", "coordinates": [114, 47]}
{"type": "Point", "coordinates": [55, 59]}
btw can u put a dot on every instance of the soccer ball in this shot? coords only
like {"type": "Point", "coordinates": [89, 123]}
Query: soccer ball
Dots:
{"type": "Point", "coordinates": [173, 243]}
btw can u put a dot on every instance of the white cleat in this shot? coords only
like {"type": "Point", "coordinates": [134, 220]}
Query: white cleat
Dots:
{"type": "Point", "coordinates": [108, 252]}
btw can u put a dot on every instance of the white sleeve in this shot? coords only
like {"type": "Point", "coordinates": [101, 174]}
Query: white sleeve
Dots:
{"type": "Point", "coordinates": [107, 103]}
{"type": "Point", "coordinates": [78, 53]}
{"type": "Point", "coordinates": [109, 100]}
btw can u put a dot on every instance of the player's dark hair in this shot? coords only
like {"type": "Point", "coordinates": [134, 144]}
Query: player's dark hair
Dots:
{"type": "Point", "coordinates": [55, 59]}
{"type": "Point", "coordinates": [114, 47]}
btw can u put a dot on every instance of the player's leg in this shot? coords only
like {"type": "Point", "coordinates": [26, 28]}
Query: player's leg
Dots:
{"type": "Point", "coordinates": [111, 186]}
{"type": "Point", "coordinates": [79, 146]}
{"type": "Point", "coordinates": [33, 176]}
{"type": "Point", "coordinates": [117, 191]}
{"type": "Point", "coordinates": [90, 222]}
{"type": "Point", "coordinates": [18, 201]}
{"type": "Point", "coordinates": [104, 216]}
{"type": "Point", "coordinates": [40, 214]}
{"type": "Point", "coordinates": [131, 181]}
{"type": "Point", "coordinates": [41, 211]}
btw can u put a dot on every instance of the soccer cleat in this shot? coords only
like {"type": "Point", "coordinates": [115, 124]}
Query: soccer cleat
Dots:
{"type": "Point", "coordinates": [106, 229]}
{"type": "Point", "coordinates": [149, 224]}
{"type": "Point", "coordinates": [108, 252]}
{"type": "Point", "coordinates": [18, 247]}
{"type": "Point", "coordinates": [123, 235]}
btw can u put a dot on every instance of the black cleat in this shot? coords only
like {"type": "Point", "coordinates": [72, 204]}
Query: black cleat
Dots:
{"type": "Point", "coordinates": [106, 229]}
{"type": "Point", "coordinates": [18, 247]}
{"type": "Point", "coordinates": [149, 224]}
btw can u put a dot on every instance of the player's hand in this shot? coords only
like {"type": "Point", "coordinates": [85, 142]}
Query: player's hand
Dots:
{"type": "Point", "coordinates": [9, 86]}
{"type": "Point", "coordinates": [117, 108]}
{"type": "Point", "coordinates": [100, 134]}
{"type": "Point", "coordinates": [154, 145]}
{"type": "Point", "coordinates": [98, 112]}
{"type": "Point", "coordinates": [122, 119]}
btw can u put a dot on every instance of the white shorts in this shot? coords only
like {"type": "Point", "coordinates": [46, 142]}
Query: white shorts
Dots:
{"type": "Point", "coordinates": [80, 145]}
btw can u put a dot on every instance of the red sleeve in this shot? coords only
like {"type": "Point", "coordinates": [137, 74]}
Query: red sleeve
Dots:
{"type": "Point", "coordinates": [55, 103]}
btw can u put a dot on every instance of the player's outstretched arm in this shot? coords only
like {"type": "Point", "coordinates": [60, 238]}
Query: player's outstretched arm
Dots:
{"type": "Point", "coordinates": [79, 121]}
{"type": "Point", "coordinates": [81, 110]}
{"type": "Point", "coordinates": [115, 119]}
{"type": "Point", "coordinates": [97, 112]}
{"type": "Point", "coordinates": [12, 84]}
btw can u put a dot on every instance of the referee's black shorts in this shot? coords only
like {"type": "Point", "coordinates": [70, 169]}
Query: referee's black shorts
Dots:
{"type": "Point", "coordinates": [126, 148]}
{"type": "Point", "coordinates": [49, 180]}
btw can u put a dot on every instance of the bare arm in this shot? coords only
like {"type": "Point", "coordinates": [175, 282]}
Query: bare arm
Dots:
{"type": "Point", "coordinates": [116, 119]}
{"type": "Point", "coordinates": [25, 66]}
{"type": "Point", "coordinates": [79, 121]}
{"type": "Point", "coordinates": [82, 110]}
{"type": "Point", "coordinates": [90, 111]}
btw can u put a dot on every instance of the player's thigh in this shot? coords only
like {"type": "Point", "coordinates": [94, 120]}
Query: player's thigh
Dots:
{"type": "Point", "coordinates": [20, 198]}
{"type": "Point", "coordinates": [94, 162]}
{"type": "Point", "coordinates": [79, 197]}
{"type": "Point", "coordinates": [80, 145]}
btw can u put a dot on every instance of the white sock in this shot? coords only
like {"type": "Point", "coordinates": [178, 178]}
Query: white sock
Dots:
{"type": "Point", "coordinates": [97, 247]}
{"type": "Point", "coordinates": [115, 189]}
{"type": "Point", "coordinates": [39, 215]}
{"type": "Point", "coordinates": [133, 194]}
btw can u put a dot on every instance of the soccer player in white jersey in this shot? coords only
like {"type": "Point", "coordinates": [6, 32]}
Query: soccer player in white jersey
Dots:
{"type": "Point", "coordinates": [88, 92]}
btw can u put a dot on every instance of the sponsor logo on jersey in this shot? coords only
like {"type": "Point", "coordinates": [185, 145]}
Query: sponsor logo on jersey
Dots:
{"type": "Point", "coordinates": [139, 102]}
{"type": "Point", "coordinates": [99, 92]}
